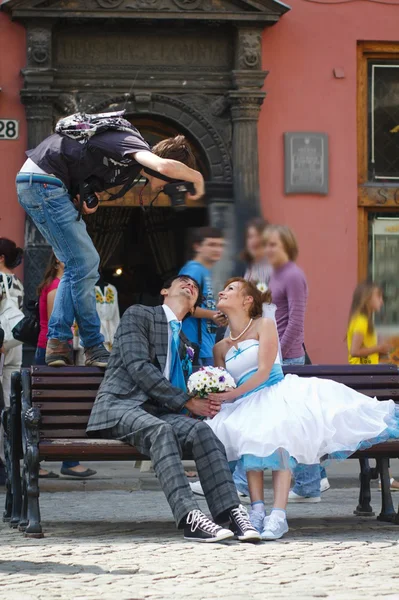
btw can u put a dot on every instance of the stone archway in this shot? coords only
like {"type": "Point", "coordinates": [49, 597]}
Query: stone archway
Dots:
{"type": "Point", "coordinates": [189, 119]}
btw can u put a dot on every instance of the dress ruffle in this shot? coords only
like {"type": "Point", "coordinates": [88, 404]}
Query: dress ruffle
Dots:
{"type": "Point", "coordinates": [280, 459]}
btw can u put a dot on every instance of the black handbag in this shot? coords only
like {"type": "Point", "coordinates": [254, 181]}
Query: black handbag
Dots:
{"type": "Point", "coordinates": [28, 329]}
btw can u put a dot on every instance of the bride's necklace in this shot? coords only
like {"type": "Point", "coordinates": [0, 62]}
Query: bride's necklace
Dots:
{"type": "Point", "coordinates": [234, 339]}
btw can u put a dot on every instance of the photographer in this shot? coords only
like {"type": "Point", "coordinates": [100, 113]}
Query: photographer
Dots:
{"type": "Point", "coordinates": [50, 186]}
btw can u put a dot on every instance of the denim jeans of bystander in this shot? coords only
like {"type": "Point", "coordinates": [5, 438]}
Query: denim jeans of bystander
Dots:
{"type": "Point", "coordinates": [53, 213]}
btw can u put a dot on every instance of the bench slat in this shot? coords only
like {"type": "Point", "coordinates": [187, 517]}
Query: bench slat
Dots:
{"type": "Point", "coordinates": [362, 370]}
{"type": "Point", "coordinates": [62, 433]}
{"type": "Point", "coordinates": [65, 419]}
{"type": "Point", "coordinates": [382, 393]}
{"type": "Point", "coordinates": [69, 407]}
{"type": "Point", "coordinates": [66, 371]}
{"type": "Point", "coordinates": [66, 382]}
{"type": "Point", "coordinates": [55, 394]}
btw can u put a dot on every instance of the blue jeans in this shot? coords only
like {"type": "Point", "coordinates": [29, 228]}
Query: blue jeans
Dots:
{"type": "Point", "coordinates": [53, 213]}
{"type": "Point", "coordinates": [40, 356]}
{"type": "Point", "coordinates": [240, 479]}
{"type": "Point", "coordinates": [307, 477]}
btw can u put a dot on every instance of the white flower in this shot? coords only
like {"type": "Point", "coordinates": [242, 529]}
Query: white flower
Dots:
{"type": "Point", "coordinates": [262, 287]}
{"type": "Point", "coordinates": [210, 379]}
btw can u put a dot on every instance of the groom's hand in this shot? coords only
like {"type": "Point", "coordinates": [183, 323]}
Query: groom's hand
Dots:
{"type": "Point", "coordinates": [200, 407]}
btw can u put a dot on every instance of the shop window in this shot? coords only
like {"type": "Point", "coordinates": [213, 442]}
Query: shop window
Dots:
{"type": "Point", "coordinates": [383, 266]}
{"type": "Point", "coordinates": [383, 120]}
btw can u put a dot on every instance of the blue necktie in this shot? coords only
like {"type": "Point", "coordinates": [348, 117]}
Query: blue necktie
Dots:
{"type": "Point", "coordinates": [176, 370]}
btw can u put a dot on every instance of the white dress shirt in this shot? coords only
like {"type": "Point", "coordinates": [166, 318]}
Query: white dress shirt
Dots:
{"type": "Point", "coordinates": [170, 315]}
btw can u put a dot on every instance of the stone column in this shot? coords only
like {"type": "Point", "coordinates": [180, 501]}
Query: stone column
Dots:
{"type": "Point", "coordinates": [246, 100]}
{"type": "Point", "coordinates": [37, 95]}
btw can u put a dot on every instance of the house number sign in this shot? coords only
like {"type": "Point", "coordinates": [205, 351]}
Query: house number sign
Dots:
{"type": "Point", "coordinates": [9, 129]}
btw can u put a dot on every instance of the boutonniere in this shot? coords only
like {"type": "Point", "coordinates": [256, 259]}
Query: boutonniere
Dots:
{"type": "Point", "coordinates": [190, 353]}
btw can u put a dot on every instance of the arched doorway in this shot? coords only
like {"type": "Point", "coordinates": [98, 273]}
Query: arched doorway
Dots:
{"type": "Point", "coordinates": [140, 248]}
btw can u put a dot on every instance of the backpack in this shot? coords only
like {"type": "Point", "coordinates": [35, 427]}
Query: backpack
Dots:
{"type": "Point", "coordinates": [81, 127]}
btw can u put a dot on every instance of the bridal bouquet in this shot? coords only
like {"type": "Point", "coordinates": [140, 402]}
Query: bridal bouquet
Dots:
{"type": "Point", "coordinates": [210, 379]}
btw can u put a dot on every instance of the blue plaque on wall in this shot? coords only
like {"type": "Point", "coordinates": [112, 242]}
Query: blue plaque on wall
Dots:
{"type": "Point", "coordinates": [306, 163]}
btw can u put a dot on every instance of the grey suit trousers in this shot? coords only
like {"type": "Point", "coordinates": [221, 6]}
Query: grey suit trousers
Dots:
{"type": "Point", "coordinates": [165, 438]}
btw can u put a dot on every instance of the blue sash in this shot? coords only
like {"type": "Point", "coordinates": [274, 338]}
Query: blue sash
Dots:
{"type": "Point", "coordinates": [276, 375]}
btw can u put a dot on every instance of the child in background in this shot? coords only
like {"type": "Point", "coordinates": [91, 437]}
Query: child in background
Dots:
{"type": "Point", "coordinates": [363, 345]}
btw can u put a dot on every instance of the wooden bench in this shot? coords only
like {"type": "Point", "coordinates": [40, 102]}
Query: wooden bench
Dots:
{"type": "Point", "coordinates": [50, 409]}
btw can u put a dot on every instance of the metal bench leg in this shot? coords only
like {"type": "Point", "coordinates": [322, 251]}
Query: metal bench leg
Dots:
{"type": "Point", "coordinates": [364, 508]}
{"type": "Point", "coordinates": [387, 509]}
{"type": "Point", "coordinates": [31, 468]}
{"type": "Point", "coordinates": [15, 437]}
{"type": "Point", "coordinates": [8, 502]}
{"type": "Point", "coordinates": [23, 523]}
{"type": "Point", "coordinates": [30, 431]}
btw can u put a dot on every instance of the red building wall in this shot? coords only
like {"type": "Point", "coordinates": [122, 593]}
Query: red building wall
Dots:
{"type": "Point", "coordinates": [12, 60]}
{"type": "Point", "coordinates": [301, 52]}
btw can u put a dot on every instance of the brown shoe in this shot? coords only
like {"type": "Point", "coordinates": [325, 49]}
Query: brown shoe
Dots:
{"type": "Point", "coordinates": [59, 354]}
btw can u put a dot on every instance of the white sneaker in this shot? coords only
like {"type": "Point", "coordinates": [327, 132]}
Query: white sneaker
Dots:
{"type": "Point", "coordinates": [324, 485]}
{"type": "Point", "coordinates": [274, 527]}
{"type": "Point", "coordinates": [293, 497]}
{"type": "Point", "coordinates": [196, 488]}
{"type": "Point", "coordinates": [257, 519]}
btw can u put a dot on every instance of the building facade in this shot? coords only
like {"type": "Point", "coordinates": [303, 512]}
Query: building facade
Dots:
{"type": "Point", "coordinates": [235, 76]}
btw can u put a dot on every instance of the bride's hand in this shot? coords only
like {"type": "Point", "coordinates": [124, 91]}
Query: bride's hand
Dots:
{"type": "Point", "coordinates": [219, 398]}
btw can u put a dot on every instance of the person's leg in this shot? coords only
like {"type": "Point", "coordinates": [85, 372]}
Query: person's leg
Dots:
{"type": "Point", "coordinates": [55, 216]}
{"type": "Point", "coordinates": [307, 481]}
{"type": "Point", "coordinates": [157, 440]}
{"type": "Point", "coordinates": [197, 438]}
{"type": "Point", "coordinates": [281, 488]}
{"type": "Point", "coordinates": [257, 495]}
{"type": "Point", "coordinates": [275, 526]}
{"type": "Point", "coordinates": [40, 356]}
{"type": "Point", "coordinates": [323, 472]}
{"type": "Point", "coordinates": [256, 486]}
{"type": "Point", "coordinates": [240, 479]}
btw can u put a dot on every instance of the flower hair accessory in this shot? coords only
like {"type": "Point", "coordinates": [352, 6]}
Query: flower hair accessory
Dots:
{"type": "Point", "coordinates": [262, 287]}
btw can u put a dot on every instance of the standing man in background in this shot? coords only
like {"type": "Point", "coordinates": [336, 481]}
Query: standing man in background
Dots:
{"type": "Point", "coordinates": [207, 250]}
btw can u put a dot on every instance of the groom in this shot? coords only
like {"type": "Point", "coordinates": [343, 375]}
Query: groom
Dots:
{"type": "Point", "coordinates": [141, 400]}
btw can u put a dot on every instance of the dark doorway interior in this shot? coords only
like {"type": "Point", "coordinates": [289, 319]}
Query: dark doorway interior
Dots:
{"type": "Point", "coordinates": [141, 250]}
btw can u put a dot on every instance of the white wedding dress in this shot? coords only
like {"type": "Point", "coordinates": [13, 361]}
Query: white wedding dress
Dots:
{"type": "Point", "coordinates": [289, 420]}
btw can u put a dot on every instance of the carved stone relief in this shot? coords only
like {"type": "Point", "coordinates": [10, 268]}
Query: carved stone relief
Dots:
{"type": "Point", "coordinates": [249, 49]}
{"type": "Point", "coordinates": [39, 47]}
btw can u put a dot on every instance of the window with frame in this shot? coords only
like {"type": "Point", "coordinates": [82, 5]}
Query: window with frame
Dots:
{"type": "Point", "coordinates": [383, 120]}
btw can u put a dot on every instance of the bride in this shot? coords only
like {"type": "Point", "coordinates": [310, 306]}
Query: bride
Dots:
{"type": "Point", "coordinates": [274, 422]}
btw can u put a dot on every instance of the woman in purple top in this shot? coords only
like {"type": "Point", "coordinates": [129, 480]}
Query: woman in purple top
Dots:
{"type": "Point", "coordinates": [290, 292]}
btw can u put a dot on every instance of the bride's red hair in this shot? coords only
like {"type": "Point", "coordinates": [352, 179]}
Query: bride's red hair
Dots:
{"type": "Point", "coordinates": [259, 298]}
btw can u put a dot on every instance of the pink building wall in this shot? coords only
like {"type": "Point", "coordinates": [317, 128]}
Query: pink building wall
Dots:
{"type": "Point", "coordinates": [12, 60]}
{"type": "Point", "coordinates": [300, 53]}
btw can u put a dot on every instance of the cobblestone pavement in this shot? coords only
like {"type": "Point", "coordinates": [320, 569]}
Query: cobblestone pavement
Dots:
{"type": "Point", "coordinates": [119, 545]}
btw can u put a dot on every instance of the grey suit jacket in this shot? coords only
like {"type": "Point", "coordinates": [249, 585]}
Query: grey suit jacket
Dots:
{"type": "Point", "coordinates": [135, 369]}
